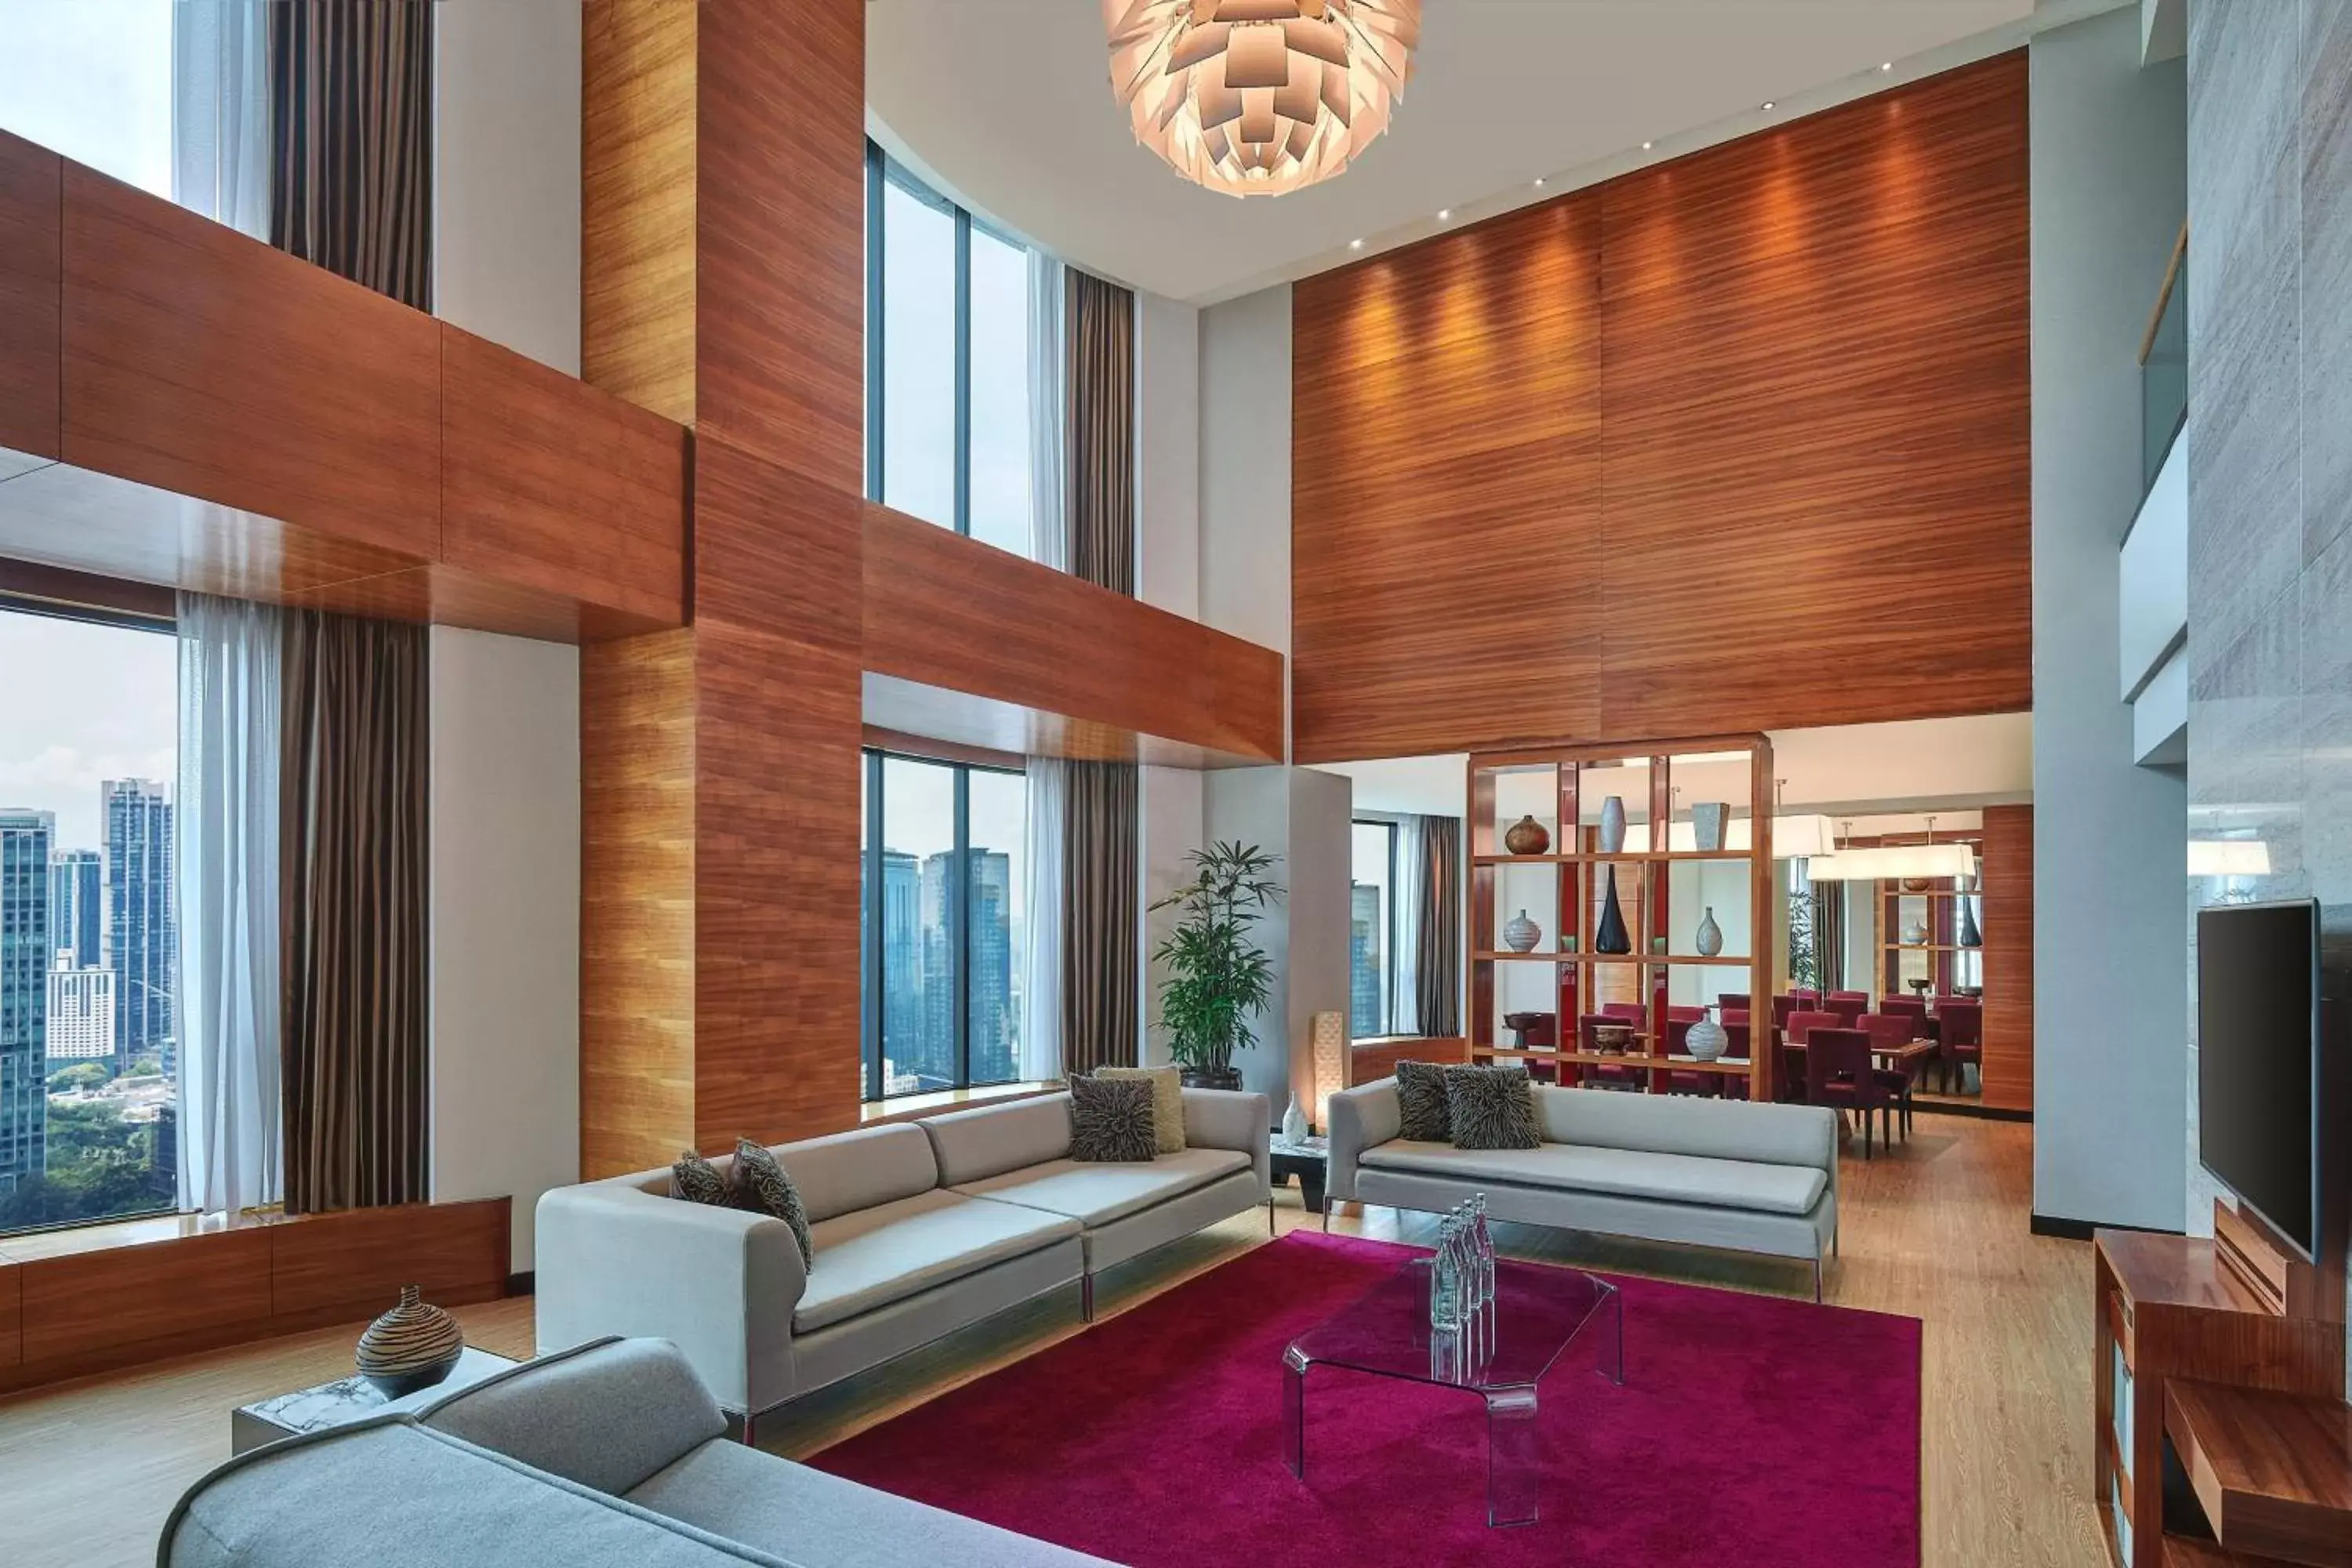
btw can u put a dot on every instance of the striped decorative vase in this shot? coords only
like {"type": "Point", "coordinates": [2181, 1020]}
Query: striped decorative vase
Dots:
{"type": "Point", "coordinates": [411, 1347]}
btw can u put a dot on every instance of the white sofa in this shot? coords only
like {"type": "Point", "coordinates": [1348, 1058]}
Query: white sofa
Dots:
{"type": "Point", "coordinates": [609, 1455]}
{"type": "Point", "coordinates": [1727, 1173]}
{"type": "Point", "coordinates": [920, 1229]}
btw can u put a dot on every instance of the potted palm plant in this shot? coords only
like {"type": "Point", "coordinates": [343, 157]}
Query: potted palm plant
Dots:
{"type": "Point", "coordinates": [1217, 977]}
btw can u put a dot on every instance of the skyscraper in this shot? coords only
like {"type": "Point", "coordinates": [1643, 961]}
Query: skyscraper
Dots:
{"type": "Point", "coordinates": [25, 956]}
{"type": "Point", "coordinates": [902, 963]}
{"type": "Point", "coordinates": [141, 941]}
{"type": "Point", "coordinates": [81, 1013]}
{"type": "Point", "coordinates": [1365, 970]}
{"type": "Point", "coordinates": [989, 951]}
{"type": "Point", "coordinates": [77, 906]}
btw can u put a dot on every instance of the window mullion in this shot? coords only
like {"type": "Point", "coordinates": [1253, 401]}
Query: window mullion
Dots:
{"type": "Point", "coordinates": [959, 934]}
{"type": "Point", "coordinates": [962, 370]}
{"type": "Point", "coordinates": [877, 925]}
{"type": "Point", "coordinates": [874, 181]}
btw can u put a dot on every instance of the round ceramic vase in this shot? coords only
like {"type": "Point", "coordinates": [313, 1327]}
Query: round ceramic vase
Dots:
{"type": "Point", "coordinates": [1710, 935]}
{"type": "Point", "coordinates": [1526, 837]}
{"type": "Point", "coordinates": [1520, 934]}
{"type": "Point", "coordinates": [1706, 1039]}
{"type": "Point", "coordinates": [411, 1347]}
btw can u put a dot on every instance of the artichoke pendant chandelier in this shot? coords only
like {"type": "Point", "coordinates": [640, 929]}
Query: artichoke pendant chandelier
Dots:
{"type": "Point", "coordinates": [1258, 98]}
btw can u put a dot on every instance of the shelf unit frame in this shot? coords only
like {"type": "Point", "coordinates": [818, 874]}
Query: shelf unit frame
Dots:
{"type": "Point", "coordinates": [1580, 867]}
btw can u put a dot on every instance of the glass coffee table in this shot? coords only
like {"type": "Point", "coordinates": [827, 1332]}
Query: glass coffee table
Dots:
{"type": "Point", "coordinates": [1540, 1314]}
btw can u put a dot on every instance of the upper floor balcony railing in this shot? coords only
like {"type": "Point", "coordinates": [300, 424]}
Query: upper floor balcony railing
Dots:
{"type": "Point", "coordinates": [2164, 366]}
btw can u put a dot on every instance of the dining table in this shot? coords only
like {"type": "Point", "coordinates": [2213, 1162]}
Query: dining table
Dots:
{"type": "Point", "coordinates": [1907, 1054]}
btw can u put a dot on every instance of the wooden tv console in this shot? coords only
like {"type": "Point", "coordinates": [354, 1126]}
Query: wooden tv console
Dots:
{"type": "Point", "coordinates": [2251, 1340]}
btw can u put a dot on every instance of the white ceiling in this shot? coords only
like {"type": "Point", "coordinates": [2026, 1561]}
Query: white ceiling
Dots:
{"type": "Point", "coordinates": [1008, 104]}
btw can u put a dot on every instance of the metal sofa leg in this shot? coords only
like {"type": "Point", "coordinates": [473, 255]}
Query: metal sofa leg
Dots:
{"type": "Point", "coordinates": [751, 1420]}
{"type": "Point", "coordinates": [1269, 1216]}
{"type": "Point", "coordinates": [1817, 1279]}
{"type": "Point", "coordinates": [1328, 1200]}
{"type": "Point", "coordinates": [1086, 1296]}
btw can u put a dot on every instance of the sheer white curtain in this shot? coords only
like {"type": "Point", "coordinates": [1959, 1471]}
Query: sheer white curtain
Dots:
{"type": "Point", "coordinates": [226, 863]}
{"type": "Point", "coordinates": [1404, 971]}
{"type": "Point", "coordinates": [220, 111]}
{"type": "Point", "coordinates": [1046, 889]}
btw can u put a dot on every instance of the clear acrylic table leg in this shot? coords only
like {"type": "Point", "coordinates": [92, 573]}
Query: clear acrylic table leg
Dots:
{"type": "Point", "coordinates": [1610, 1362]}
{"type": "Point", "coordinates": [1513, 1460]}
{"type": "Point", "coordinates": [1294, 1412]}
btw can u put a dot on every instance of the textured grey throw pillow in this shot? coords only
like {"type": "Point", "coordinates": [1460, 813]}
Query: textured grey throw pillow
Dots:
{"type": "Point", "coordinates": [1110, 1120]}
{"type": "Point", "coordinates": [1492, 1108]}
{"type": "Point", "coordinates": [761, 1185]}
{"type": "Point", "coordinates": [1420, 1103]}
{"type": "Point", "coordinates": [696, 1180]}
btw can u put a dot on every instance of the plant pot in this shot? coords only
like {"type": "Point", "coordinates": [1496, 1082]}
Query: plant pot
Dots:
{"type": "Point", "coordinates": [1210, 1077]}
{"type": "Point", "coordinates": [1526, 837]}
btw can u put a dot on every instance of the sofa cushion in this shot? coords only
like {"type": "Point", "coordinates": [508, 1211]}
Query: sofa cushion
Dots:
{"type": "Point", "coordinates": [853, 1171]}
{"type": "Point", "coordinates": [879, 1254]}
{"type": "Point", "coordinates": [1111, 1122]}
{"type": "Point", "coordinates": [971, 1144]}
{"type": "Point", "coordinates": [1625, 1172]}
{"type": "Point", "coordinates": [1686, 1124]}
{"type": "Point", "coordinates": [1491, 1107]}
{"type": "Point", "coordinates": [695, 1180]}
{"type": "Point", "coordinates": [1097, 1194]}
{"type": "Point", "coordinates": [1167, 1104]}
{"type": "Point", "coordinates": [764, 1187]}
{"type": "Point", "coordinates": [605, 1415]}
{"type": "Point", "coordinates": [1421, 1107]}
{"type": "Point", "coordinates": [774, 1505]}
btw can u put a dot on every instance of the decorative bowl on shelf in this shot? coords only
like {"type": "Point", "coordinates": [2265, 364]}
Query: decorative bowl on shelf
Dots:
{"type": "Point", "coordinates": [1531, 1031]}
{"type": "Point", "coordinates": [1526, 837]}
{"type": "Point", "coordinates": [1615, 1038]}
{"type": "Point", "coordinates": [1913, 884]}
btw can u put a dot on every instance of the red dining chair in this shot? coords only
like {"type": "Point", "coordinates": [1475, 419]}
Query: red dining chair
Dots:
{"type": "Point", "coordinates": [1849, 1009]}
{"type": "Point", "coordinates": [1838, 1073]}
{"type": "Point", "coordinates": [1960, 1040]}
{"type": "Point", "coordinates": [1781, 1007]}
{"type": "Point", "coordinates": [1806, 995]}
{"type": "Point", "coordinates": [1736, 1050]}
{"type": "Point", "coordinates": [1728, 1000]}
{"type": "Point", "coordinates": [1860, 996]}
{"type": "Point", "coordinates": [1886, 1031]}
{"type": "Point", "coordinates": [1797, 1031]}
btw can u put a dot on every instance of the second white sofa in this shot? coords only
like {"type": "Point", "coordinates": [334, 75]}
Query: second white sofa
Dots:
{"type": "Point", "coordinates": [920, 1229]}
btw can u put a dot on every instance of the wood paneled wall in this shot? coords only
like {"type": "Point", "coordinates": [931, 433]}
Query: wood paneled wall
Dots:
{"type": "Point", "coordinates": [74, 1303]}
{"type": "Point", "coordinates": [187, 407]}
{"type": "Point", "coordinates": [1738, 441]}
{"type": "Point", "coordinates": [723, 282]}
{"type": "Point", "coordinates": [959, 617]}
{"type": "Point", "coordinates": [2008, 879]}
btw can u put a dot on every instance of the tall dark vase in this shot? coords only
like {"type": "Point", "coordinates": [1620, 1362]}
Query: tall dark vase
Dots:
{"type": "Point", "coordinates": [1970, 935]}
{"type": "Point", "coordinates": [1611, 937]}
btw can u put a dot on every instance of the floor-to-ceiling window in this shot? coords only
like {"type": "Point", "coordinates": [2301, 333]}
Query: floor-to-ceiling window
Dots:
{"type": "Point", "coordinates": [947, 362]}
{"type": "Point", "coordinates": [945, 853]}
{"type": "Point", "coordinates": [1371, 926]}
{"type": "Point", "coordinates": [92, 79]}
{"type": "Point", "coordinates": [89, 942]}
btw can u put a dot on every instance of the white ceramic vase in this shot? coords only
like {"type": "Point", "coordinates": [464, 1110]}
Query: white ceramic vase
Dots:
{"type": "Point", "coordinates": [1710, 935]}
{"type": "Point", "coordinates": [1520, 934]}
{"type": "Point", "coordinates": [1706, 1039]}
{"type": "Point", "coordinates": [1293, 1122]}
{"type": "Point", "coordinates": [1612, 826]}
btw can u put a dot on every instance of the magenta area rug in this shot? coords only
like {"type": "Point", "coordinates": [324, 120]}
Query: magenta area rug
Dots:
{"type": "Point", "coordinates": [1752, 1431]}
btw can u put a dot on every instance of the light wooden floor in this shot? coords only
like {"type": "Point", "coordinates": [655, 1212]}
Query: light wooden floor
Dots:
{"type": "Point", "coordinates": [1936, 1229]}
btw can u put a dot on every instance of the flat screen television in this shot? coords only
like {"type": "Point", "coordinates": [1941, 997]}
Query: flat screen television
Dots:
{"type": "Point", "coordinates": [2258, 1059]}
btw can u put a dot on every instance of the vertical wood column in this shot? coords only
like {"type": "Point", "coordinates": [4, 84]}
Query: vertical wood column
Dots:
{"type": "Point", "coordinates": [2006, 874]}
{"type": "Point", "coordinates": [723, 284]}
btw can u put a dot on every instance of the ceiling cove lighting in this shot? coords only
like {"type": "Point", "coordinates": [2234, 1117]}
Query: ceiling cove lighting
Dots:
{"type": "Point", "coordinates": [1259, 98]}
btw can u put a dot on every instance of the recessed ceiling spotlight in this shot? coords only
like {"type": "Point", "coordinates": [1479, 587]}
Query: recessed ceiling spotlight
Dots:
{"type": "Point", "coordinates": [1769, 106]}
{"type": "Point", "coordinates": [1539, 182]}
{"type": "Point", "coordinates": [1355, 245]}
{"type": "Point", "coordinates": [1886, 65]}
{"type": "Point", "coordinates": [1445, 214]}
{"type": "Point", "coordinates": [1647, 146]}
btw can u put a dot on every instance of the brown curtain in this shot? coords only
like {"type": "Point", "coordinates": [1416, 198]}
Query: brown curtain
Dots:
{"type": "Point", "coordinates": [1829, 934]}
{"type": "Point", "coordinates": [1101, 940]}
{"type": "Point", "coordinates": [351, 153]}
{"type": "Point", "coordinates": [1102, 953]}
{"type": "Point", "coordinates": [1102, 431]}
{"type": "Point", "coordinates": [352, 913]}
{"type": "Point", "coordinates": [1437, 950]}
